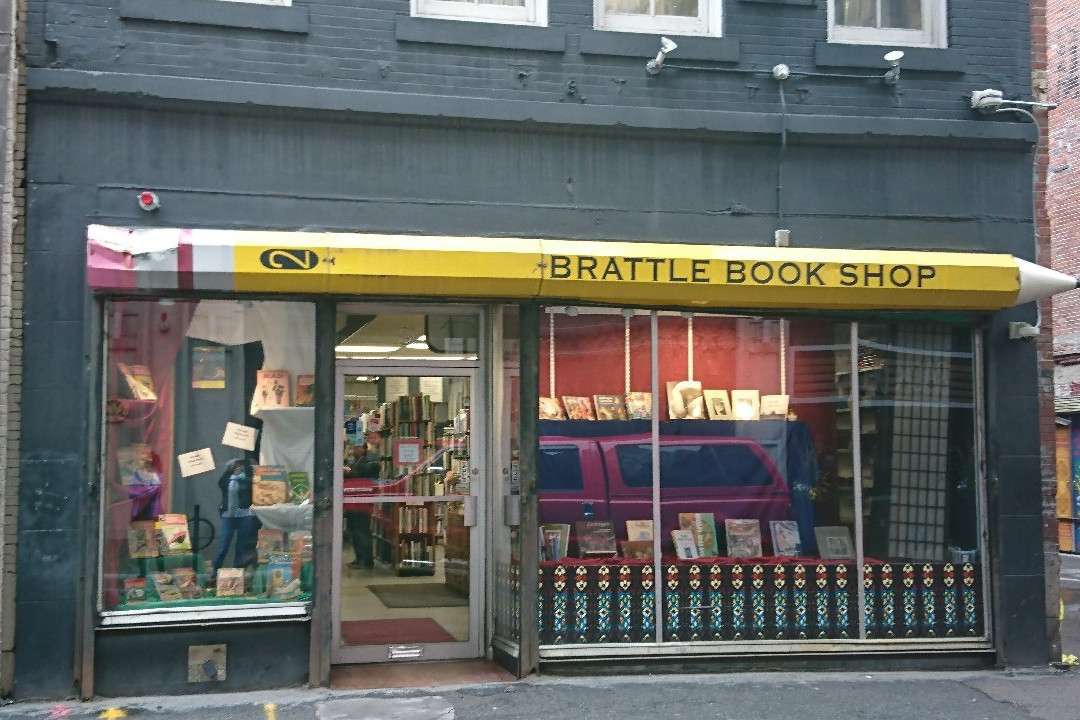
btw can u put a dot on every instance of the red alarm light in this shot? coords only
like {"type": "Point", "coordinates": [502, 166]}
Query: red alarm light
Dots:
{"type": "Point", "coordinates": [148, 201]}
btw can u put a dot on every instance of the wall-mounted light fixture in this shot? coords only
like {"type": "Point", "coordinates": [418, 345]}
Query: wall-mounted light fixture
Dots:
{"type": "Point", "coordinates": [654, 66]}
{"type": "Point", "coordinates": [892, 76]}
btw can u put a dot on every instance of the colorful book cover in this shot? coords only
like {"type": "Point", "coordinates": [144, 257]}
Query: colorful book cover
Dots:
{"type": "Point", "coordinates": [556, 538]}
{"type": "Point", "coordinates": [270, 485]}
{"type": "Point", "coordinates": [208, 367]}
{"type": "Point", "coordinates": [269, 541]}
{"type": "Point", "coordinates": [139, 382]}
{"type": "Point", "coordinates": [703, 527]}
{"type": "Point", "coordinates": [743, 538]}
{"type": "Point", "coordinates": [282, 582]}
{"type": "Point", "coordinates": [685, 547]}
{"type": "Point", "coordinates": [172, 531]}
{"type": "Point", "coordinates": [271, 390]}
{"type": "Point", "coordinates": [230, 582]}
{"type": "Point", "coordinates": [610, 407]}
{"type": "Point", "coordinates": [579, 407]}
{"type": "Point", "coordinates": [299, 487]}
{"type": "Point", "coordinates": [785, 538]}
{"type": "Point", "coordinates": [305, 390]}
{"type": "Point", "coordinates": [135, 464]}
{"type": "Point", "coordinates": [166, 589]}
{"type": "Point", "coordinates": [551, 409]}
{"type": "Point", "coordinates": [187, 583]}
{"type": "Point", "coordinates": [134, 591]}
{"type": "Point", "coordinates": [142, 540]}
{"type": "Point", "coordinates": [595, 538]}
{"type": "Point", "coordinates": [639, 406]}
{"type": "Point", "coordinates": [300, 545]}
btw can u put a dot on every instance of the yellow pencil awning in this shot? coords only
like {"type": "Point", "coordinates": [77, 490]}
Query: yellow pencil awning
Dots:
{"type": "Point", "coordinates": [622, 273]}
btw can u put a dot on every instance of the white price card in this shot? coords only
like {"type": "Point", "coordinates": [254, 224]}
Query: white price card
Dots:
{"type": "Point", "coordinates": [239, 436]}
{"type": "Point", "coordinates": [195, 462]}
{"type": "Point", "coordinates": [432, 387]}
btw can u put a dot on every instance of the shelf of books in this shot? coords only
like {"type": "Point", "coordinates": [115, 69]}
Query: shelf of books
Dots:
{"type": "Point", "coordinates": [405, 536]}
{"type": "Point", "coordinates": [726, 584]}
{"type": "Point", "coordinates": [456, 555]}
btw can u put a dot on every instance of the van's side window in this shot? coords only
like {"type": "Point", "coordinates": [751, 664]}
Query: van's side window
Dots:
{"type": "Point", "coordinates": [690, 466]}
{"type": "Point", "coordinates": [560, 469]}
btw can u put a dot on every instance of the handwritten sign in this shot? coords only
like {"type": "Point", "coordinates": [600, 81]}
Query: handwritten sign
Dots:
{"type": "Point", "coordinates": [195, 462]}
{"type": "Point", "coordinates": [239, 436]}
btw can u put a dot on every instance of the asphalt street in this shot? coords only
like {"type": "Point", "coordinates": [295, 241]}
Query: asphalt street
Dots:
{"type": "Point", "coordinates": [1042, 694]}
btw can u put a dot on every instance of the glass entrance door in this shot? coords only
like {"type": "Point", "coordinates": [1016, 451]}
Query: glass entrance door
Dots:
{"type": "Point", "coordinates": [407, 585]}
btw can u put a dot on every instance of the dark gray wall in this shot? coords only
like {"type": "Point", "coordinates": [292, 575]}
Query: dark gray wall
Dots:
{"type": "Point", "coordinates": [376, 46]}
{"type": "Point", "coordinates": [257, 656]}
{"type": "Point", "coordinates": [276, 169]}
{"type": "Point", "coordinates": [356, 117]}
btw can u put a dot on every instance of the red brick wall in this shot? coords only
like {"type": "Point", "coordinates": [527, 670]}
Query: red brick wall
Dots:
{"type": "Point", "coordinates": [1063, 177]}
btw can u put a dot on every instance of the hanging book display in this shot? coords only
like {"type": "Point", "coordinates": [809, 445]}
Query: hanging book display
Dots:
{"type": "Point", "coordinates": [639, 405]}
{"type": "Point", "coordinates": [610, 407]}
{"type": "Point", "coordinates": [579, 408]}
{"type": "Point", "coordinates": [551, 409]}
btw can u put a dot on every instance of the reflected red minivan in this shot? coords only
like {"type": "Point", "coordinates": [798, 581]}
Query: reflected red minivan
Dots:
{"type": "Point", "coordinates": [610, 478]}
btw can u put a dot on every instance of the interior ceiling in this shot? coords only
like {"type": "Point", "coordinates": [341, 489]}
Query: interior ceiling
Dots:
{"type": "Point", "coordinates": [388, 330]}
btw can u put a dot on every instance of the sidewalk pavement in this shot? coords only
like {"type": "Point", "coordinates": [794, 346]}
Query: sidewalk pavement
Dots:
{"type": "Point", "coordinates": [979, 695]}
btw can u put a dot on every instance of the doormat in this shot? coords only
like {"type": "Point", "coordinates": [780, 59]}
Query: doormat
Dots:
{"type": "Point", "coordinates": [420, 595]}
{"type": "Point", "coordinates": [393, 632]}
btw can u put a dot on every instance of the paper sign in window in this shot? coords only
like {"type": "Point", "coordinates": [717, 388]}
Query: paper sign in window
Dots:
{"type": "Point", "coordinates": [407, 452]}
{"type": "Point", "coordinates": [239, 436]}
{"type": "Point", "coordinates": [195, 462]}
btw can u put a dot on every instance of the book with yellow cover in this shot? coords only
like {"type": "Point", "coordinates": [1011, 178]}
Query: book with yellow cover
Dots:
{"type": "Point", "coordinates": [139, 382]}
{"type": "Point", "coordinates": [551, 409]}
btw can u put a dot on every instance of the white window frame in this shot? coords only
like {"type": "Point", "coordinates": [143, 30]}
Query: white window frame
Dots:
{"type": "Point", "coordinates": [272, 3]}
{"type": "Point", "coordinates": [533, 13]}
{"type": "Point", "coordinates": [932, 35]}
{"type": "Point", "coordinates": [708, 21]}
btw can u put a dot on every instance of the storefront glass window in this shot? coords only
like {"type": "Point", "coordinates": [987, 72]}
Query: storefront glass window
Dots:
{"type": "Point", "coordinates": [207, 454]}
{"type": "Point", "coordinates": [919, 481]}
{"type": "Point", "coordinates": [744, 515]}
{"type": "Point", "coordinates": [595, 375]}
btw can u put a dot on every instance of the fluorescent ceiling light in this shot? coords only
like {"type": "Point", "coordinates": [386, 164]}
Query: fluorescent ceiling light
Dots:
{"type": "Point", "coordinates": [367, 348]}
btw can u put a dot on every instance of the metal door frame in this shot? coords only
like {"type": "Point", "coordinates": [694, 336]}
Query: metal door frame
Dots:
{"type": "Point", "coordinates": [473, 647]}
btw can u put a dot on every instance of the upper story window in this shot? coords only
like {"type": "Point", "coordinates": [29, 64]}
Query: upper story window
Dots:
{"type": "Point", "coordinates": [913, 23]}
{"type": "Point", "coordinates": [675, 17]}
{"type": "Point", "coordinates": [517, 12]}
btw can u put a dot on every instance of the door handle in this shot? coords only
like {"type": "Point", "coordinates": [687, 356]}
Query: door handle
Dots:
{"type": "Point", "coordinates": [324, 506]}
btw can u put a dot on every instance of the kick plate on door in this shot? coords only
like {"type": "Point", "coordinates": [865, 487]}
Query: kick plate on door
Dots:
{"type": "Point", "coordinates": [405, 652]}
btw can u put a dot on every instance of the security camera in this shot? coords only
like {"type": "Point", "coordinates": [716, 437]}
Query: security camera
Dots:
{"type": "Point", "coordinates": [1022, 331]}
{"type": "Point", "coordinates": [654, 66]}
{"type": "Point", "coordinates": [781, 72]}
